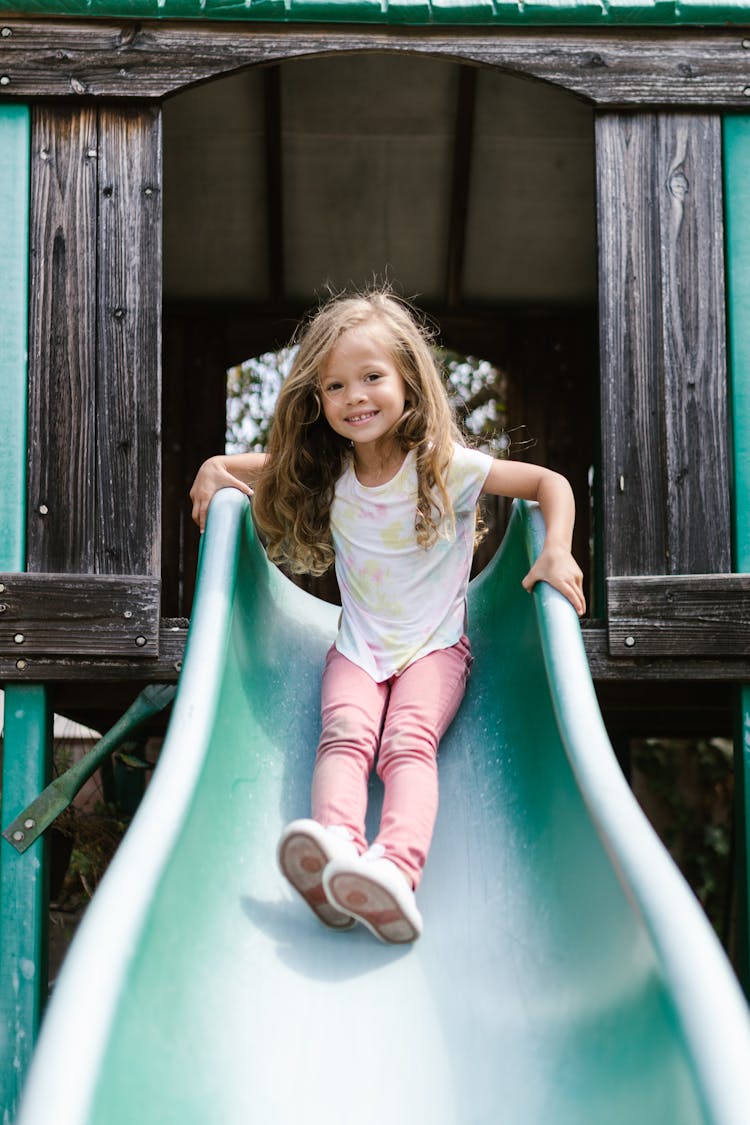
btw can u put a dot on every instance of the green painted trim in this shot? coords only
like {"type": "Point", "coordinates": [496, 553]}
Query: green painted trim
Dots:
{"type": "Point", "coordinates": [737, 224]}
{"type": "Point", "coordinates": [24, 893]}
{"type": "Point", "coordinates": [605, 13]}
{"type": "Point", "coordinates": [15, 142]}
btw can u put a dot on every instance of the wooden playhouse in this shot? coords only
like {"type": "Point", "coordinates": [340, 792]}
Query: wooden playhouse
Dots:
{"type": "Point", "coordinates": [562, 186]}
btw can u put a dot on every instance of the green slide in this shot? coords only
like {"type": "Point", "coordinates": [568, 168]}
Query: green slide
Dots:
{"type": "Point", "coordinates": [566, 975]}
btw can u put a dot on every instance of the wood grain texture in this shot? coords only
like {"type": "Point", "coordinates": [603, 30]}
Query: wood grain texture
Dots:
{"type": "Point", "coordinates": [626, 67]}
{"type": "Point", "coordinates": [665, 438]}
{"type": "Point", "coordinates": [696, 435]}
{"type": "Point", "coordinates": [66, 614]}
{"type": "Point", "coordinates": [129, 341]}
{"type": "Point", "coordinates": [633, 488]}
{"type": "Point", "coordinates": [705, 615]}
{"type": "Point", "coordinates": [62, 338]}
{"type": "Point", "coordinates": [95, 340]}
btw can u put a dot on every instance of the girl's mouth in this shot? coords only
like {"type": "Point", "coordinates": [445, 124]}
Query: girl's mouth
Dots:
{"type": "Point", "coordinates": [359, 419]}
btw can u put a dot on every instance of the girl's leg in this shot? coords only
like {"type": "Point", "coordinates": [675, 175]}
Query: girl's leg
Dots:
{"type": "Point", "coordinates": [352, 707]}
{"type": "Point", "coordinates": [423, 701]}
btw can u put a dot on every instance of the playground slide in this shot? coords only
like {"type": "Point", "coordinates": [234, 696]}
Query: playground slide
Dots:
{"type": "Point", "coordinates": [566, 974]}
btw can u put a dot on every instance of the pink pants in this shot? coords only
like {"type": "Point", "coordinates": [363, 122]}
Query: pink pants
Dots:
{"type": "Point", "coordinates": [401, 722]}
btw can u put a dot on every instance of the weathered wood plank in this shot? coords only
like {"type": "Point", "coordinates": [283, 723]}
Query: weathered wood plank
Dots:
{"type": "Point", "coordinates": [691, 237]}
{"type": "Point", "coordinates": [129, 341]}
{"type": "Point", "coordinates": [62, 339]}
{"type": "Point", "coordinates": [632, 410]}
{"type": "Point", "coordinates": [629, 667]}
{"type": "Point", "coordinates": [72, 614]}
{"type": "Point", "coordinates": [663, 348]}
{"type": "Point", "coordinates": [626, 67]}
{"type": "Point", "coordinates": [707, 614]}
{"type": "Point", "coordinates": [605, 668]}
{"type": "Point", "coordinates": [87, 670]}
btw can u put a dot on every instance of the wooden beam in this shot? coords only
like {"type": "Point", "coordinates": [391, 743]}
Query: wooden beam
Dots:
{"type": "Point", "coordinates": [92, 669]}
{"type": "Point", "coordinates": [463, 145]}
{"type": "Point", "coordinates": [625, 67]}
{"type": "Point", "coordinates": [78, 614]}
{"type": "Point", "coordinates": [707, 615]}
{"type": "Point", "coordinates": [633, 666]}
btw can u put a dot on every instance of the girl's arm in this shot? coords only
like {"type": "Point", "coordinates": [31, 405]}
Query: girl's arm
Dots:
{"type": "Point", "coordinates": [554, 495]}
{"type": "Point", "coordinates": [235, 470]}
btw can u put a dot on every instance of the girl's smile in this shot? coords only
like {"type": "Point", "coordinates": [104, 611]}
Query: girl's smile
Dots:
{"type": "Point", "coordinates": [364, 394]}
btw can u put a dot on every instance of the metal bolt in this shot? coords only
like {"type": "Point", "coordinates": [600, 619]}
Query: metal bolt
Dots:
{"type": "Point", "coordinates": [128, 614]}
{"type": "Point", "coordinates": [746, 91]}
{"type": "Point", "coordinates": [3, 608]}
{"type": "Point", "coordinates": [119, 313]}
{"type": "Point", "coordinates": [746, 44]}
{"type": "Point", "coordinates": [18, 836]}
{"type": "Point", "coordinates": [6, 32]}
{"type": "Point", "coordinates": [43, 510]}
{"type": "Point", "coordinates": [140, 641]}
{"type": "Point", "coordinates": [91, 153]}
{"type": "Point", "coordinates": [20, 665]}
{"type": "Point", "coordinates": [629, 641]}
{"type": "Point", "coordinates": [2, 587]}
{"type": "Point", "coordinates": [29, 824]}
{"type": "Point", "coordinates": [4, 80]}
{"type": "Point", "coordinates": [19, 638]}
{"type": "Point", "coordinates": [621, 483]}
{"type": "Point", "coordinates": [148, 191]}
{"type": "Point", "coordinates": [178, 665]}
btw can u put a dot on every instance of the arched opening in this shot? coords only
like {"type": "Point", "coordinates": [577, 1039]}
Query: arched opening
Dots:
{"type": "Point", "coordinates": [471, 189]}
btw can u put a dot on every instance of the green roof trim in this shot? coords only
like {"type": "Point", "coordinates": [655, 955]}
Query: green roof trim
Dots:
{"type": "Point", "coordinates": [500, 13]}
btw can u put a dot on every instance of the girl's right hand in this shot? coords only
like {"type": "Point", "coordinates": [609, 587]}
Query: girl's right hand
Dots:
{"type": "Point", "coordinates": [212, 475]}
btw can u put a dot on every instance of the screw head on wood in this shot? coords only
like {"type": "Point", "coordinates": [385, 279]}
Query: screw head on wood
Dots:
{"type": "Point", "coordinates": [629, 642]}
{"type": "Point", "coordinates": [6, 32]}
{"type": "Point", "coordinates": [140, 641]}
{"type": "Point", "coordinates": [4, 80]}
{"type": "Point", "coordinates": [19, 638]}
{"type": "Point", "coordinates": [18, 836]}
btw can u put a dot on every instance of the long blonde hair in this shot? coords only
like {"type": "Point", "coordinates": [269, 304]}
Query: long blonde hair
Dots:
{"type": "Point", "coordinates": [293, 495]}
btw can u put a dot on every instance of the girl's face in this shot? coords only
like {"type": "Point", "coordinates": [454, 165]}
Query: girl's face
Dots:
{"type": "Point", "coordinates": [364, 393]}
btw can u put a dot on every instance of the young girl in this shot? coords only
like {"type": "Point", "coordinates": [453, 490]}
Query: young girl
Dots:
{"type": "Point", "coordinates": [365, 469]}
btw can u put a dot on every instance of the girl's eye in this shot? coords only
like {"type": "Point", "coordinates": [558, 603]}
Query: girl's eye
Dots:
{"type": "Point", "coordinates": [372, 377]}
{"type": "Point", "coordinates": [331, 388]}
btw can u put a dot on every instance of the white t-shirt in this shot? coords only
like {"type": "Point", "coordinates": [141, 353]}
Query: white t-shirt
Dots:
{"type": "Point", "coordinates": [400, 601]}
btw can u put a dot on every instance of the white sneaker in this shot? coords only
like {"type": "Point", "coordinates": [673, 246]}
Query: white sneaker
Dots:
{"type": "Point", "coordinates": [374, 891]}
{"type": "Point", "coordinates": [304, 850]}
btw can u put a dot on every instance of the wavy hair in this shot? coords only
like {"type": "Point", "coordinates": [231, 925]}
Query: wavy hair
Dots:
{"type": "Point", "coordinates": [294, 493]}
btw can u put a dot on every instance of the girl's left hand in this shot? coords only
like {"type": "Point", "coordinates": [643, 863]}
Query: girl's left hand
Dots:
{"type": "Point", "coordinates": [557, 566]}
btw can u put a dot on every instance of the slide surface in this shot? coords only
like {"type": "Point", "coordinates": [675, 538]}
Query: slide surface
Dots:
{"type": "Point", "coordinates": [566, 975]}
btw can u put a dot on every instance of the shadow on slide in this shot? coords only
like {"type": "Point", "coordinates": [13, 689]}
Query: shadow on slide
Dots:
{"type": "Point", "coordinates": [566, 974]}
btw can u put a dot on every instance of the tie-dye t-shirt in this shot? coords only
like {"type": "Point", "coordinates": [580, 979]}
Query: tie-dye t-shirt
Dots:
{"type": "Point", "coordinates": [400, 601]}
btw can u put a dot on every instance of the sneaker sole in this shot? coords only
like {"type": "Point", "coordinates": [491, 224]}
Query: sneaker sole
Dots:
{"type": "Point", "coordinates": [370, 903]}
{"type": "Point", "coordinates": [302, 862]}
